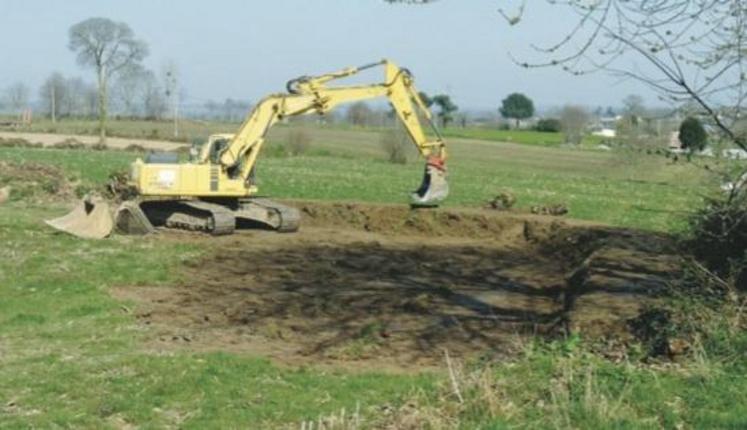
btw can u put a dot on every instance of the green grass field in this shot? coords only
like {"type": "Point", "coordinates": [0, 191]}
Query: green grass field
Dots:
{"type": "Point", "coordinates": [159, 130]}
{"type": "Point", "coordinates": [71, 356]}
{"type": "Point", "coordinates": [619, 188]}
{"type": "Point", "coordinates": [527, 137]}
{"type": "Point", "coordinates": [197, 129]}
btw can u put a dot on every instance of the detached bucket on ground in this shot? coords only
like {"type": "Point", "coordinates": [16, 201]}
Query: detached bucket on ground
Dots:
{"type": "Point", "coordinates": [434, 188]}
{"type": "Point", "coordinates": [90, 220]}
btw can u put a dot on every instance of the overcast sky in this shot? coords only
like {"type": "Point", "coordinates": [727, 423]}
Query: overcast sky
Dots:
{"type": "Point", "coordinates": [247, 48]}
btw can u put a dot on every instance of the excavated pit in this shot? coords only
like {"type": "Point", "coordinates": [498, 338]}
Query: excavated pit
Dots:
{"type": "Point", "coordinates": [386, 286]}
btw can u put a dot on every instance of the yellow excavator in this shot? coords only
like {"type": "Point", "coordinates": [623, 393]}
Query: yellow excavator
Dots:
{"type": "Point", "coordinates": [216, 192]}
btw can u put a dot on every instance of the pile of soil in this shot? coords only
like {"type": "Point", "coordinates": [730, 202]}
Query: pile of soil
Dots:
{"type": "Point", "coordinates": [385, 286]}
{"type": "Point", "coordinates": [18, 143]}
{"type": "Point", "coordinates": [36, 182]}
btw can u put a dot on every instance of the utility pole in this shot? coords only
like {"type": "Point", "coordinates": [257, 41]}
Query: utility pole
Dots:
{"type": "Point", "coordinates": [172, 93]}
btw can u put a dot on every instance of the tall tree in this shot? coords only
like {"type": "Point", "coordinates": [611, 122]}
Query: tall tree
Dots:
{"type": "Point", "coordinates": [446, 108]}
{"type": "Point", "coordinates": [53, 92]}
{"type": "Point", "coordinates": [108, 47]}
{"type": "Point", "coordinates": [517, 106]}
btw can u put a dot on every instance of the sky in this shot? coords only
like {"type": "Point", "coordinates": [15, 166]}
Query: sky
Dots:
{"type": "Point", "coordinates": [245, 49]}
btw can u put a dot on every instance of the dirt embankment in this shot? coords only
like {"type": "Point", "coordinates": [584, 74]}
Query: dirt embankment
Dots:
{"type": "Point", "coordinates": [382, 285]}
{"type": "Point", "coordinates": [35, 182]}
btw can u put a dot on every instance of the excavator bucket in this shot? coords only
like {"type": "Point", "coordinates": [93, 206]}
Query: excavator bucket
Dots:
{"type": "Point", "coordinates": [90, 220]}
{"type": "Point", "coordinates": [434, 188]}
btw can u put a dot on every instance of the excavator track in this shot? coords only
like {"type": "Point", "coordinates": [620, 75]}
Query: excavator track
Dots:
{"type": "Point", "coordinates": [217, 218]}
{"type": "Point", "coordinates": [209, 217]}
{"type": "Point", "coordinates": [277, 216]}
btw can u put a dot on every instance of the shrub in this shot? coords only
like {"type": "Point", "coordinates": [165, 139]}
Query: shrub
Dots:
{"type": "Point", "coordinates": [692, 135]}
{"type": "Point", "coordinates": [395, 145]}
{"type": "Point", "coordinates": [719, 238]}
{"type": "Point", "coordinates": [574, 120]}
{"type": "Point", "coordinates": [548, 125]}
{"type": "Point", "coordinates": [299, 142]}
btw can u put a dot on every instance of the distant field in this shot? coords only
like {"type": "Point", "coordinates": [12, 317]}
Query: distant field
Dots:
{"type": "Point", "coordinates": [158, 130]}
{"type": "Point", "coordinates": [528, 137]}
{"type": "Point", "coordinates": [606, 186]}
{"type": "Point", "coordinates": [190, 130]}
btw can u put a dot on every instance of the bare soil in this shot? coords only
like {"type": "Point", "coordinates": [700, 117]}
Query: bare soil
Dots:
{"type": "Point", "coordinates": [384, 286]}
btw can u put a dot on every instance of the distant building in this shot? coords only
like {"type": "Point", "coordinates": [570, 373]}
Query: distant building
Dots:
{"type": "Point", "coordinates": [674, 140]}
{"type": "Point", "coordinates": [606, 127]}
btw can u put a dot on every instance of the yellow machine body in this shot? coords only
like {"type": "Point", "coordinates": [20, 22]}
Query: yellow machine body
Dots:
{"type": "Point", "coordinates": [224, 165]}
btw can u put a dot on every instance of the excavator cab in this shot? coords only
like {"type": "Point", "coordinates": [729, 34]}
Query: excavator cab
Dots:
{"type": "Point", "coordinates": [211, 150]}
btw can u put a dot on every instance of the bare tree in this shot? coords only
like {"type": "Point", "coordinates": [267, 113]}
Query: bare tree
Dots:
{"type": "Point", "coordinates": [17, 96]}
{"type": "Point", "coordinates": [77, 101]}
{"type": "Point", "coordinates": [108, 47]}
{"type": "Point", "coordinates": [154, 101]}
{"type": "Point", "coordinates": [129, 88]}
{"type": "Point", "coordinates": [573, 120]}
{"type": "Point", "coordinates": [53, 92]}
{"type": "Point", "coordinates": [694, 50]}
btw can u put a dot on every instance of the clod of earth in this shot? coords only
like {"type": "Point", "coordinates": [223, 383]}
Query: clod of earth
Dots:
{"type": "Point", "coordinates": [553, 209]}
{"type": "Point", "coordinates": [503, 201]}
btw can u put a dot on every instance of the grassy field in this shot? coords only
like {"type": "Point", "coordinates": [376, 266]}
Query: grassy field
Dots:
{"type": "Point", "coordinates": [190, 130]}
{"type": "Point", "coordinates": [161, 130]}
{"type": "Point", "coordinates": [71, 356]}
{"type": "Point", "coordinates": [527, 137]}
{"type": "Point", "coordinates": [619, 188]}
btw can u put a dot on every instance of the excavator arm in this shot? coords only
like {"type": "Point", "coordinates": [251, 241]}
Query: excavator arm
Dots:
{"type": "Point", "coordinates": [308, 95]}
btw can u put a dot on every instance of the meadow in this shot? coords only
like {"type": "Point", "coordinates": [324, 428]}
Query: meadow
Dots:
{"type": "Point", "coordinates": [623, 188]}
{"type": "Point", "coordinates": [71, 356]}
